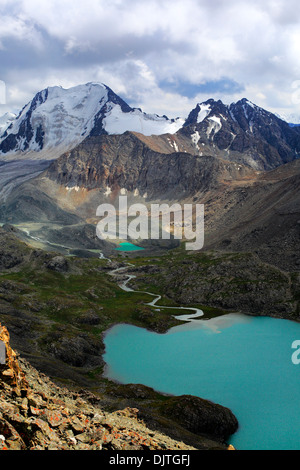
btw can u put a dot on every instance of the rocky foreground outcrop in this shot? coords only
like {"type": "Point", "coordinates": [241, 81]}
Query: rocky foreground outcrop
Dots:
{"type": "Point", "coordinates": [36, 414]}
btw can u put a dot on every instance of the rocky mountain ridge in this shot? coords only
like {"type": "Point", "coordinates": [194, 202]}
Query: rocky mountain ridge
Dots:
{"type": "Point", "coordinates": [57, 120]}
{"type": "Point", "coordinates": [242, 132]}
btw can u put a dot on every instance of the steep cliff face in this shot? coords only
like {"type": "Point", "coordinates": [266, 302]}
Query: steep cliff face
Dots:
{"type": "Point", "coordinates": [110, 163]}
{"type": "Point", "coordinates": [261, 216]}
{"type": "Point", "coordinates": [103, 167]}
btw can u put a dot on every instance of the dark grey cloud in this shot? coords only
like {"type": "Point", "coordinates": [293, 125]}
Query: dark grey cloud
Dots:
{"type": "Point", "coordinates": [19, 54]}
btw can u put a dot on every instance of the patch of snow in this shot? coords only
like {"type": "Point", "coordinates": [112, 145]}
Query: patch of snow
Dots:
{"type": "Point", "coordinates": [117, 122]}
{"type": "Point", "coordinates": [250, 104]}
{"type": "Point", "coordinates": [204, 112]}
{"type": "Point", "coordinates": [232, 116]}
{"type": "Point", "coordinates": [216, 119]}
{"type": "Point", "coordinates": [195, 138]}
{"type": "Point", "coordinates": [108, 191]}
{"type": "Point", "coordinates": [73, 188]}
{"type": "Point", "coordinates": [173, 144]}
{"type": "Point", "coordinates": [215, 125]}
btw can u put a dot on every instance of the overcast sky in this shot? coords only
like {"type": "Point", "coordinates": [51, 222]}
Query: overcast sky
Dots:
{"type": "Point", "coordinates": [161, 55]}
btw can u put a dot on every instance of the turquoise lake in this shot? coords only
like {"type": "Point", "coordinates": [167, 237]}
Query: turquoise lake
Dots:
{"type": "Point", "coordinates": [241, 362]}
{"type": "Point", "coordinates": [126, 246]}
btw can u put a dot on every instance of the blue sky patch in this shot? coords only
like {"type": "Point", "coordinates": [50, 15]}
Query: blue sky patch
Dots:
{"type": "Point", "coordinates": [190, 90]}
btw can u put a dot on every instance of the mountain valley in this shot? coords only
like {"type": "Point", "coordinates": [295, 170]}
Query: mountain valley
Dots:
{"type": "Point", "coordinates": [69, 151]}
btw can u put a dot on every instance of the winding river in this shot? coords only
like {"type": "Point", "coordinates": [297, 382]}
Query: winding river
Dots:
{"type": "Point", "coordinates": [124, 285]}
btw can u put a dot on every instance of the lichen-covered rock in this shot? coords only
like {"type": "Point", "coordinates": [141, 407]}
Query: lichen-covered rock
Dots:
{"type": "Point", "coordinates": [11, 372]}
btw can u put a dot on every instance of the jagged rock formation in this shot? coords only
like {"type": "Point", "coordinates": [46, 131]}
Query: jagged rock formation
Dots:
{"type": "Point", "coordinates": [242, 132]}
{"type": "Point", "coordinates": [111, 163]}
{"type": "Point", "coordinates": [11, 371]}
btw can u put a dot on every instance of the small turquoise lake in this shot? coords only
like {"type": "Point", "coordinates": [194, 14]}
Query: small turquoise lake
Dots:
{"type": "Point", "coordinates": [126, 246]}
{"type": "Point", "coordinates": [241, 362]}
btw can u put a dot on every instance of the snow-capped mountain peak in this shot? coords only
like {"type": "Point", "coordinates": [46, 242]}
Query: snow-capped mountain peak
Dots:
{"type": "Point", "coordinates": [58, 119]}
{"type": "Point", "coordinates": [243, 111]}
{"type": "Point", "coordinates": [260, 138]}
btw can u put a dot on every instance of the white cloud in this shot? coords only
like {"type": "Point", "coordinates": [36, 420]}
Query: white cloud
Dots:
{"type": "Point", "coordinates": [19, 28]}
{"type": "Point", "coordinates": [133, 45]}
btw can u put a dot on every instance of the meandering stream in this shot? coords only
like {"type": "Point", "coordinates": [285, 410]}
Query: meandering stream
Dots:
{"type": "Point", "coordinates": [123, 285]}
